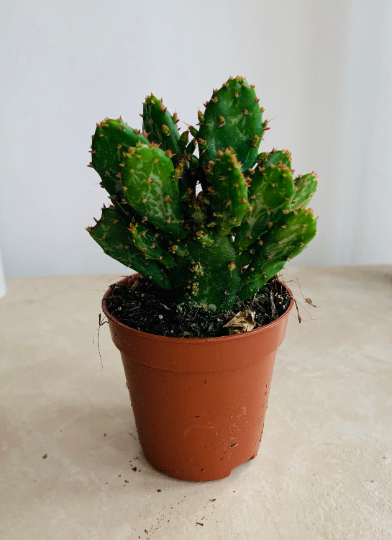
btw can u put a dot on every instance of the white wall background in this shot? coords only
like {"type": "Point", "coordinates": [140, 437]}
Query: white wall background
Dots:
{"type": "Point", "coordinates": [323, 71]}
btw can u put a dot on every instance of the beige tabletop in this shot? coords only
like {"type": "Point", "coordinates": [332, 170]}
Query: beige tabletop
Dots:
{"type": "Point", "coordinates": [71, 465]}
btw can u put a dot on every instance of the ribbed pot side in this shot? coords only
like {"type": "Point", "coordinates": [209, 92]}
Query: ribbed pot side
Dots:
{"type": "Point", "coordinates": [199, 404]}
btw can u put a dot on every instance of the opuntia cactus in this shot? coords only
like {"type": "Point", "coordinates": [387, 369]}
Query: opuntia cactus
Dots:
{"type": "Point", "coordinates": [211, 229]}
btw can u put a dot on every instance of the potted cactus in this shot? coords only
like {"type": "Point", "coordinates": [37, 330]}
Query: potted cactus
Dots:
{"type": "Point", "coordinates": [212, 230]}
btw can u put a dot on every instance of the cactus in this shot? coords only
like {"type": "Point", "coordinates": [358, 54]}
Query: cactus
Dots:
{"type": "Point", "coordinates": [212, 229]}
{"type": "Point", "coordinates": [229, 194]}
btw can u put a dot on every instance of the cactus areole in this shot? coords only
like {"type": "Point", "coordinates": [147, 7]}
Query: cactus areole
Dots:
{"type": "Point", "coordinates": [212, 228]}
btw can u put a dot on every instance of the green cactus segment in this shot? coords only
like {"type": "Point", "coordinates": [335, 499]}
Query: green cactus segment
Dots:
{"type": "Point", "coordinates": [229, 192]}
{"type": "Point", "coordinates": [249, 289]}
{"type": "Point", "coordinates": [197, 208]}
{"type": "Point", "coordinates": [191, 177]}
{"type": "Point", "coordinates": [204, 236]}
{"type": "Point", "coordinates": [194, 132]}
{"type": "Point", "coordinates": [171, 244]}
{"type": "Point", "coordinates": [150, 189]}
{"type": "Point", "coordinates": [247, 255]}
{"type": "Point", "coordinates": [145, 240]}
{"type": "Point", "coordinates": [270, 195]}
{"type": "Point", "coordinates": [275, 157]}
{"type": "Point", "coordinates": [209, 277]}
{"type": "Point", "coordinates": [283, 242]}
{"type": "Point", "coordinates": [111, 233]}
{"type": "Point", "coordinates": [191, 147]}
{"type": "Point", "coordinates": [232, 118]}
{"type": "Point", "coordinates": [194, 162]}
{"type": "Point", "coordinates": [111, 139]}
{"type": "Point", "coordinates": [161, 125]}
{"type": "Point", "coordinates": [305, 188]}
{"type": "Point", "coordinates": [179, 248]}
{"type": "Point", "coordinates": [184, 185]}
{"type": "Point", "coordinates": [183, 140]}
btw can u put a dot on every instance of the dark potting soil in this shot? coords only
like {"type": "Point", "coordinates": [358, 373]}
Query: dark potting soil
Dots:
{"type": "Point", "coordinates": [148, 308]}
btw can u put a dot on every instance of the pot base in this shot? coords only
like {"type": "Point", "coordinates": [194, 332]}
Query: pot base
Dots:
{"type": "Point", "coordinates": [199, 426]}
{"type": "Point", "coordinates": [202, 476]}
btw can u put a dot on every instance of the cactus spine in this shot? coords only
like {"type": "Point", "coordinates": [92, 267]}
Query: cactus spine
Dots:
{"type": "Point", "coordinates": [211, 229]}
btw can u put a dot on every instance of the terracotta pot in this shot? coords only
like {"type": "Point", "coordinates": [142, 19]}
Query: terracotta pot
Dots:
{"type": "Point", "coordinates": [199, 404]}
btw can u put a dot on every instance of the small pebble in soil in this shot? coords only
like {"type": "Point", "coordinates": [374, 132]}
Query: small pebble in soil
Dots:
{"type": "Point", "coordinates": [142, 308]}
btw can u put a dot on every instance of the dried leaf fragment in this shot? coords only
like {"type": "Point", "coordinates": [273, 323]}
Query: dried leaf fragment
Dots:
{"type": "Point", "coordinates": [244, 321]}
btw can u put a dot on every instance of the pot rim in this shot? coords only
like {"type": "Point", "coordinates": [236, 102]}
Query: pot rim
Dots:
{"type": "Point", "coordinates": [168, 339]}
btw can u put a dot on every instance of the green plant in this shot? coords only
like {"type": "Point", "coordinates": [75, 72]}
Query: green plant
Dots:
{"type": "Point", "coordinates": [223, 242]}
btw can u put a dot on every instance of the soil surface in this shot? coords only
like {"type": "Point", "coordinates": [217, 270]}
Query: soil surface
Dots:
{"type": "Point", "coordinates": [148, 308]}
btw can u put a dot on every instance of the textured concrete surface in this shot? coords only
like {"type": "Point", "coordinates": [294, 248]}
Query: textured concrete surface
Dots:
{"type": "Point", "coordinates": [71, 465]}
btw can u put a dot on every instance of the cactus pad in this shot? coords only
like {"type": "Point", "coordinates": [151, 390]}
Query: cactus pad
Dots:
{"type": "Point", "coordinates": [229, 194]}
{"type": "Point", "coordinates": [285, 240]}
{"type": "Point", "coordinates": [251, 288]}
{"type": "Point", "coordinates": [270, 194]}
{"type": "Point", "coordinates": [111, 139]}
{"type": "Point", "coordinates": [145, 240]}
{"type": "Point", "coordinates": [112, 234]}
{"type": "Point", "coordinates": [161, 125]}
{"type": "Point", "coordinates": [305, 188]}
{"type": "Point", "coordinates": [151, 189]}
{"type": "Point", "coordinates": [232, 118]}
